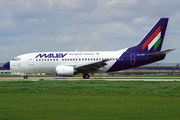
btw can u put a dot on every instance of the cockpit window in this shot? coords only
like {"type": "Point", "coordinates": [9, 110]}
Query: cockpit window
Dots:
{"type": "Point", "coordinates": [16, 59]}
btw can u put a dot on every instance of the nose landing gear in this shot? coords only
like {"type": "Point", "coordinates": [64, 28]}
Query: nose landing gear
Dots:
{"type": "Point", "coordinates": [25, 77]}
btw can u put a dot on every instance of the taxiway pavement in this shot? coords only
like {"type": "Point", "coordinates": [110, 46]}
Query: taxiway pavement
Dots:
{"type": "Point", "coordinates": [79, 78]}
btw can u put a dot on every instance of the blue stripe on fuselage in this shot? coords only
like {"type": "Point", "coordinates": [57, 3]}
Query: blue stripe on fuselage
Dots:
{"type": "Point", "coordinates": [126, 62]}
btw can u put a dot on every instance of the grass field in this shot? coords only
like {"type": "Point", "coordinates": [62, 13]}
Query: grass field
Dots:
{"type": "Point", "coordinates": [76, 100]}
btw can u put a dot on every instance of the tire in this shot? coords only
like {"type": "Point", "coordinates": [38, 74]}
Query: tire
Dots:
{"type": "Point", "coordinates": [86, 76]}
{"type": "Point", "coordinates": [25, 77]}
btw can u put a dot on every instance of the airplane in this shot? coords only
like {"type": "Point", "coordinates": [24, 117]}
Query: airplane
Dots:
{"type": "Point", "coordinates": [68, 64]}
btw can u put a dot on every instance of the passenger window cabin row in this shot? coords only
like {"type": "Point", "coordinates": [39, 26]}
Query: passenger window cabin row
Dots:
{"type": "Point", "coordinates": [78, 59]}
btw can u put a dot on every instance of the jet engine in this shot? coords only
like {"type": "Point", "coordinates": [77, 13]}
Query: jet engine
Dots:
{"type": "Point", "coordinates": [65, 71]}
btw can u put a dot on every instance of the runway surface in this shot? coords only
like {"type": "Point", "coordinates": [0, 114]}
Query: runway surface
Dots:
{"type": "Point", "coordinates": [101, 78]}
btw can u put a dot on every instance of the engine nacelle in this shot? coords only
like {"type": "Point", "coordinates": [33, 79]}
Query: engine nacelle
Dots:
{"type": "Point", "coordinates": [65, 71]}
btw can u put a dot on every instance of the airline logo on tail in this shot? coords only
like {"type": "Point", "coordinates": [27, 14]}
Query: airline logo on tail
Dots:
{"type": "Point", "coordinates": [153, 40]}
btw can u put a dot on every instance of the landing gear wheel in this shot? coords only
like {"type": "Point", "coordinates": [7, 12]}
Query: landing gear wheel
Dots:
{"type": "Point", "coordinates": [86, 76]}
{"type": "Point", "coordinates": [25, 77]}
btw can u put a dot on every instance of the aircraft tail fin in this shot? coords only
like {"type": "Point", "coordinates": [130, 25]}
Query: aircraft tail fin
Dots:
{"type": "Point", "coordinates": [153, 41]}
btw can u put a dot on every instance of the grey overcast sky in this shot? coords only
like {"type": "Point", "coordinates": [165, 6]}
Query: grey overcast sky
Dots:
{"type": "Point", "coordinates": [85, 25]}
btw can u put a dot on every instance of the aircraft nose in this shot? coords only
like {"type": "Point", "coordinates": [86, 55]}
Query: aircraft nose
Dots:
{"type": "Point", "coordinates": [7, 65]}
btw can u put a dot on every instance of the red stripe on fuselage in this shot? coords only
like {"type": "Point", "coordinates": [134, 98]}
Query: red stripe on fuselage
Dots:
{"type": "Point", "coordinates": [151, 38]}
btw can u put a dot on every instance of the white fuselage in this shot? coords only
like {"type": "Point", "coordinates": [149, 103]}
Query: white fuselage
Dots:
{"type": "Point", "coordinates": [46, 62]}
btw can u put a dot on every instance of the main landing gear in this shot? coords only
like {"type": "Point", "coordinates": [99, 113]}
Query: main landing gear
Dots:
{"type": "Point", "coordinates": [86, 76]}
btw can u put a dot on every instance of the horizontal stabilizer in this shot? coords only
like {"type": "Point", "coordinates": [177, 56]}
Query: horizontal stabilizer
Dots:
{"type": "Point", "coordinates": [156, 54]}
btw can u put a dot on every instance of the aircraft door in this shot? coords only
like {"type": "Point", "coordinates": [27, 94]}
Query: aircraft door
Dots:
{"type": "Point", "coordinates": [132, 59]}
{"type": "Point", "coordinates": [31, 60]}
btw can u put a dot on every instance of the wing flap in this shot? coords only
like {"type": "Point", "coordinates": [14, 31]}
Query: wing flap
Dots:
{"type": "Point", "coordinates": [90, 67]}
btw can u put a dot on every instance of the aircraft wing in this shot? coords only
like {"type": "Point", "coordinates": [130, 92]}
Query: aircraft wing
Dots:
{"type": "Point", "coordinates": [90, 67]}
